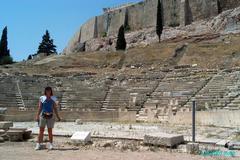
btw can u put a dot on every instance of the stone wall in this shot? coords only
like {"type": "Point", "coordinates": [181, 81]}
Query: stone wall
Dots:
{"type": "Point", "coordinates": [144, 14]}
{"type": "Point", "coordinates": [93, 116]}
{"type": "Point", "coordinates": [88, 30]}
{"type": "Point", "coordinates": [203, 9]}
{"type": "Point", "coordinates": [116, 19]}
{"type": "Point", "coordinates": [150, 13]}
{"type": "Point", "coordinates": [135, 14]}
{"type": "Point", "coordinates": [228, 4]}
{"type": "Point", "coordinates": [171, 11]}
{"type": "Point", "coordinates": [216, 118]}
{"type": "Point", "coordinates": [73, 42]}
{"type": "Point", "coordinates": [102, 25]}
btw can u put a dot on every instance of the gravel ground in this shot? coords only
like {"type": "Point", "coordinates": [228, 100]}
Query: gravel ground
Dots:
{"type": "Point", "coordinates": [135, 131]}
{"type": "Point", "coordinates": [118, 149]}
{"type": "Point", "coordinates": [24, 150]}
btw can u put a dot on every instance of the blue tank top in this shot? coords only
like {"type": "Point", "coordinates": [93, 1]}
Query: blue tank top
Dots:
{"type": "Point", "coordinates": [47, 105]}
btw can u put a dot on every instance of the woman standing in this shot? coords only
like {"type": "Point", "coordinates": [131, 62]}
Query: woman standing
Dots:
{"type": "Point", "coordinates": [46, 108]}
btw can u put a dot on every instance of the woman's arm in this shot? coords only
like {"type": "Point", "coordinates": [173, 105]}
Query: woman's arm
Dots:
{"type": "Point", "coordinates": [56, 111]}
{"type": "Point", "coordinates": [39, 110]}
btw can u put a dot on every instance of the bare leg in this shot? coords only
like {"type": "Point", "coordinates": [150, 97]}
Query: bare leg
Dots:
{"type": "Point", "coordinates": [50, 135]}
{"type": "Point", "coordinates": [40, 136]}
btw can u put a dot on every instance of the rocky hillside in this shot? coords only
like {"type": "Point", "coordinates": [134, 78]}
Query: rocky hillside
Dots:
{"type": "Point", "coordinates": [208, 52]}
{"type": "Point", "coordinates": [225, 23]}
{"type": "Point", "coordinates": [206, 44]}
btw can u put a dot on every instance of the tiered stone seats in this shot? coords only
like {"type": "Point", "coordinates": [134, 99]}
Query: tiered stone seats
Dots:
{"type": "Point", "coordinates": [78, 95]}
{"type": "Point", "coordinates": [180, 89]}
{"type": "Point", "coordinates": [221, 90]}
{"type": "Point", "coordinates": [117, 98]}
{"type": "Point", "coordinates": [8, 90]}
{"type": "Point", "coordinates": [174, 91]}
{"type": "Point", "coordinates": [234, 105]}
{"type": "Point", "coordinates": [234, 94]}
{"type": "Point", "coordinates": [129, 95]}
{"type": "Point", "coordinates": [32, 88]}
{"type": "Point", "coordinates": [139, 92]}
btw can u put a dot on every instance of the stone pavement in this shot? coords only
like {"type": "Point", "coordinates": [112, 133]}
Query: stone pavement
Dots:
{"type": "Point", "coordinates": [205, 134]}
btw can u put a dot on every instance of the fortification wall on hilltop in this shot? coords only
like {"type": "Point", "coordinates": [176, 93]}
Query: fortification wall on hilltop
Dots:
{"type": "Point", "coordinates": [116, 19]}
{"type": "Point", "coordinates": [102, 25]}
{"type": "Point", "coordinates": [228, 4]}
{"type": "Point", "coordinates": [203, 9]}
{"type": "Point", "coordinates": [144, 14]}
{"type": "Point", "coordinates": [135, 16]}
{"type": "Point", "coordinates": [150, 13]}
{"type": "Point", "coordinates": [73, 42]}
{"type": "Point", "coordinates": [89, 30]}
{"type": "Point", "coordinates": [171, 11]}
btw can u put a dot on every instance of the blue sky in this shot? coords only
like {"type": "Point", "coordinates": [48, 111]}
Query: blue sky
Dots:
{"type": "Point", "coordinates": [27, 21]}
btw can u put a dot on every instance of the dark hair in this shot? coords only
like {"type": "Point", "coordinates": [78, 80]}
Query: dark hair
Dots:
{"type": "Point", "coordinates": [48, 89]}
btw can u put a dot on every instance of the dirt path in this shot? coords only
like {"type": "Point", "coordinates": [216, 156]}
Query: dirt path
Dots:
{"type": "Point", "coordinates": [25, 151]}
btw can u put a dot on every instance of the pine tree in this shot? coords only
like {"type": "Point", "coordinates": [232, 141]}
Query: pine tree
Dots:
{"type": "Point", "coordinates": [47, 46]}
{"type": "Point", "coordinates": [159, 27]}
{"type": "Point", "coordinates": [4, 51]}
{"type": "Point", "coordinates": [121, 41]}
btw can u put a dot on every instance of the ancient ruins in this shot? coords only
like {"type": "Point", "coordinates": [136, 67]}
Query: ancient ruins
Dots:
{"type": "Point", "coordinates": [140, 99]}
{"type": "Point", "coordinates": [142, 15]}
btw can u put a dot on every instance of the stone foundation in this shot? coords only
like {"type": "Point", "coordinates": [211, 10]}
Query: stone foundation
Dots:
{"type": "Point", "coordinates": [163, 139]}
{"type": "Point", "coordinates": [91, 116]}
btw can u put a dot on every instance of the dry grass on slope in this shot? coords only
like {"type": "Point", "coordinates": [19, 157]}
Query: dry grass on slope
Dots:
{"type": "Point", "coordinates": [220, 54]}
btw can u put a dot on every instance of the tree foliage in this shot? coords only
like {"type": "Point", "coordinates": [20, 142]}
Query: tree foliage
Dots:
{"type": "Point", "coordinates": [5, 57]}
{"type": "Point", "coordinates": [121, 41]}
{"type": "Point", "coordinates": [47, 46]}
{"type": "Point", "coordinates": [6, 60]}
{"type": "Point", "coordinates": [4, 51]}
{"type": "Point", "coordinates": [159, 26]}
{"type": "Point", "coordinates": [30, 57]}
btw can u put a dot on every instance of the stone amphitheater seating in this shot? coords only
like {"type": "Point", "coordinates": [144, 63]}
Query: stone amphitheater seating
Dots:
{"type": "Point", "coordinates": [31, 88]}
{"type": "Point", "coordinates": [174, 92]}
{"type": "Point", "coordinates": [219, 93]}
{"type": "Point", "coordinates": [80, 96]}
{"type": "Point", "coordinates": [117, 97]}
{"type": "Point", "coordinates": [163, 96]}
{"type": "Point", "coordinates": [130, 95]}
{"type": "Point", "coordinates": [8, 91]}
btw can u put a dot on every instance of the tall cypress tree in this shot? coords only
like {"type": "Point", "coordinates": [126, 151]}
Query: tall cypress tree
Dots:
{"type": "Point", "coordinates": [121, 41]}
{"type": "Point", "coordinates": [47, 46]}
{"type": "Point", "coordinates": [159, 27]}
{"type": "Point", "coordinates": [4, 51]}
{"type": "Point", "coordinates": [29, 57]}
{"type": "Point", "coordinates": [219, 7]}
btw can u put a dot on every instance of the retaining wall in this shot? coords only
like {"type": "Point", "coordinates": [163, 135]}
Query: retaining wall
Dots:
{"type": "Point", "coordinates": [144, 15]}
{"type": "Point", "coordinates": [73, 42]}
{"type": "Point", "coordinates": [88, 30]}
{"type": "Point", "coordinates": [216, 118]}
{"type": "Point", "coordinates": [117, 19]}
{"type": "Point", "coordinates": [92, 116]}
{"type": "Point", "coordinates": [203, 9]}
{"type": "Point", "coordinates": [228, 4]}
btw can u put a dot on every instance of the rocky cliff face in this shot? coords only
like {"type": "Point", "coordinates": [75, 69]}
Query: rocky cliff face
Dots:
{"type": "Point", "coordinates": [99, 33]}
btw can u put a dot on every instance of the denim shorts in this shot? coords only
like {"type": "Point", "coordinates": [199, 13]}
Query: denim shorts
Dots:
{"type": "Point", "coordinates": [46, 122]}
